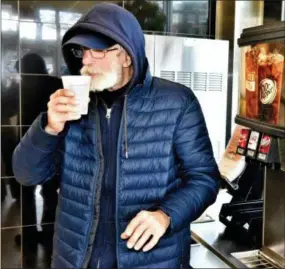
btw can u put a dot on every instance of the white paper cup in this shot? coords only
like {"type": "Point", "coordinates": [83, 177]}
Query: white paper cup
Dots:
{"type": "Point", "coordinates": [80, 85]}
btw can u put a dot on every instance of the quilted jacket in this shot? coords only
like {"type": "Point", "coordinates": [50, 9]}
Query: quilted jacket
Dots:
{"type": "Point", "coordinates": [164, 159]}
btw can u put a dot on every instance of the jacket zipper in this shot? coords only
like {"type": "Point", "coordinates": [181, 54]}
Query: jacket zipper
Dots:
{"type": "Point", "coordinates": [98, 264]}
{"type": "Point", "coordinates": [108, 112]}
{"type": "Point", "coordinates": [108, 117]}
{"type": "Point", "coordinates": [100, 176]}
{"type": "Point", "coordinates": [117, 184]}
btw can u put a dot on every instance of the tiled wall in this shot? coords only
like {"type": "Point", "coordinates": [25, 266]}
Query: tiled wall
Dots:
{"type": "Point", "coordinates": [31, 34]}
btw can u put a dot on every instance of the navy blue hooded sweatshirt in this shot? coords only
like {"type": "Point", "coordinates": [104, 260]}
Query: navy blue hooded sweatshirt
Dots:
{"type": "Point", "coordinates": [164, 159]}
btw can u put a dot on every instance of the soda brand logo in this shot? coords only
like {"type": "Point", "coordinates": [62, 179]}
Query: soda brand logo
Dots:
{"type": "Point", "coordinates": [268, 91]}
{"type": "Point", "coordinates": [265, 141]}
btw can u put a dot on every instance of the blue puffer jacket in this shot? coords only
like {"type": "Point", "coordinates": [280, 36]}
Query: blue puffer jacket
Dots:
{"type": "Point", "coordinates": [164, 159]}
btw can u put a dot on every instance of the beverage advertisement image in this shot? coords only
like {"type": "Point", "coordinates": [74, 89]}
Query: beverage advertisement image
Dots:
{"type": "Point", "coordinates": [262, 86]}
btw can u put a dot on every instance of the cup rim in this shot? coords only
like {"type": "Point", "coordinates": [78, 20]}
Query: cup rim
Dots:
{"type": "Point", "coordinates": [76, 76]}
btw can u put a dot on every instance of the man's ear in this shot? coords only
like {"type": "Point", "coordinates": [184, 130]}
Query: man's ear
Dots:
{"type": "Point", "coordinates": [128, 61]}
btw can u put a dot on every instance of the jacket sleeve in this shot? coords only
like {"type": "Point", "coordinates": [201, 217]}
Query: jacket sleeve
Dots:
{"type": "Point", "coordinates": [35, 159]}
{"type": "Point", "coordinates": [197, 169]}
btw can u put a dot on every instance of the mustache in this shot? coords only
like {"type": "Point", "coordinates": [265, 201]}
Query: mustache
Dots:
{"type": "Point", "coordinates": [87, 70]}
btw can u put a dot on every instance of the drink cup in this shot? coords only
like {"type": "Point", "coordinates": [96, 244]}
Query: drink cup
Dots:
{"type": "Point", "coordinates": [80, 85]}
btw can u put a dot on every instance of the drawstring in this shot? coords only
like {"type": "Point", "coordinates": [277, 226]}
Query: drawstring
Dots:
{"type": "Point", "coordinates": [125, 127]}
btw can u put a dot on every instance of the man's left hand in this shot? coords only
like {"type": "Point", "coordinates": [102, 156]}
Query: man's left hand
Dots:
{"type": "Point", "coordinates": [145, 225]}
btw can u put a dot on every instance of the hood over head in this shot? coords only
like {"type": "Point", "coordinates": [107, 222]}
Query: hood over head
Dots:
{"type": "Point", "coordinates": [115, 23]}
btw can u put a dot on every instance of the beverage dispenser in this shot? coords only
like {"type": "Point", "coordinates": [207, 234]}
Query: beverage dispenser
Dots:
{"type": "Point", "coordinates": [258, 204]}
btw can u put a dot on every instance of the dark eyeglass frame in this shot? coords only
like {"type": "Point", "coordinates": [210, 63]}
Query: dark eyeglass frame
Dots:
{"type": "Point", "coordinates": [81, 50]}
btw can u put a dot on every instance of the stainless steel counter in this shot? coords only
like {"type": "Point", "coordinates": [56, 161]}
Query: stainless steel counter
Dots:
{"type": "Point", "coordinates": [213, 236]}
{"type": "Point", "coordinates": [201, 257]}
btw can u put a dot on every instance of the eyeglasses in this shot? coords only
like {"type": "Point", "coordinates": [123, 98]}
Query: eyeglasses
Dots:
{"type": "Point", "coordinates": [96, 54]}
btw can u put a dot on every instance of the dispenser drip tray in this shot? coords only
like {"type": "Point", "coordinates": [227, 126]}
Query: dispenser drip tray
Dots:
{"type": "Point", "coordinates": [255, 259]}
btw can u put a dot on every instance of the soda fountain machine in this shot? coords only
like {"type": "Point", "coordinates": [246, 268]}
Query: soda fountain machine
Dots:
{"type": "Point", "coordinates": [257, 209]}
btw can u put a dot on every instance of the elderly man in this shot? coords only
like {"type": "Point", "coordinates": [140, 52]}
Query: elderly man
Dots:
{"type": "Point", "coordinates": [136, 170]}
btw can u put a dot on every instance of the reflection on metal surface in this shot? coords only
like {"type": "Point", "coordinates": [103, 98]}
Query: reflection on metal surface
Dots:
{"type": "Point", "coordinates": [190, 17]}
{"type": "Point", "coordinates": [203, 218]}
{"type": "Point", "coordinates": [28, 30]}
{"type": "Point", "coordinates": [47, 15]}
{"type": "Point", "coordinates": [255, 259]}
{"type": "Point", "coordinates": [69, 17]}
{"type": "Point", "coordinates": [225, 20]}
{"type": "Point", "coordinates": [201, 257]}
{"type": "Point", "coordinates": [212, 250]}
{"type": "Point", "coordinates": [274, 208]}
{"type": "Point", "coordinates": [283, 11]}
{"type": "Point", "coordinates": [191, 62]}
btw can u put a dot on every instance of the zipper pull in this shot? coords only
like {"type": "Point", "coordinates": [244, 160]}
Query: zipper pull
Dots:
{"type": "Point", "coordinates": [108, 113]}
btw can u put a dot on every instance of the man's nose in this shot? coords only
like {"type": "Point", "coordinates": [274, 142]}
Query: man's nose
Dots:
{"type": "Point", "coordinates": [87, 58]}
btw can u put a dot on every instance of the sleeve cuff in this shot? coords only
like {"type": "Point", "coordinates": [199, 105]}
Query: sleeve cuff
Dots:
{"type": "Point", "coordinates": [40, 139]}
{"type": "Point", "coordinates": [170, 227]}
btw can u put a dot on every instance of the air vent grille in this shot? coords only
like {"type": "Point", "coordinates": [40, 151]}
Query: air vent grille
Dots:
{"type": "Point", "coordinates": [169, 75]}
{"type": "Point", "coordinates": [200, 81]}
{"type": "Point", "coordinates": [215, 82]}
{"type": "Point", "coordinates": [185, 78]}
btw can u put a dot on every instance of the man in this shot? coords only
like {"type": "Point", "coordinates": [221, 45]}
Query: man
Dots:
{"type": "Point", "coordinates": [136, 170]}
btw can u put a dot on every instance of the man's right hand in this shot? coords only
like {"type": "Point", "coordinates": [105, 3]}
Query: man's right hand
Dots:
{"type": "Point", "coordinates": [62, 107]}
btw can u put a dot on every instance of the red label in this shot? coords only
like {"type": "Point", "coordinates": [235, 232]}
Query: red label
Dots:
{"type": "Point", "coordinates": [265, 144]}
{"type": "Point", "coordinates": [243, 138]}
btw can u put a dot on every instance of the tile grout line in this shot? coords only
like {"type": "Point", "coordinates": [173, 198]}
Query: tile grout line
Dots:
{"type": "Point", "coordinates": [26, 226]}
{"type": "Point", "coordinates": [13, 74]}
{"type": "Point", "coordinates": [15, 125]}
{"type": "Point", "coordinates": [20, 131]}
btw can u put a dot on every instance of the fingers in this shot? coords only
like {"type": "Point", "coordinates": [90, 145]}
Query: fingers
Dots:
{"type": "Point", "coordinates": [136, 235]}
{"type": "Point", "coordinates": [66, 108]}
{"type": "Point", "coordinates": [144, 238]}
{"type": "Point", "coordinates": [62, 107]}
{"type": "Point", "coordinates": [132, 226]}
{"type": "Point", "coordinates": [62, 92]}
{"type": "Point", "coordinates": [63, 101]}
{"type": "Point", "coordinates": [151, 243]}
{"type": "Point", "coordinates": [63, 117]}
{"type": "Point", "coordinates": [144, 225]}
